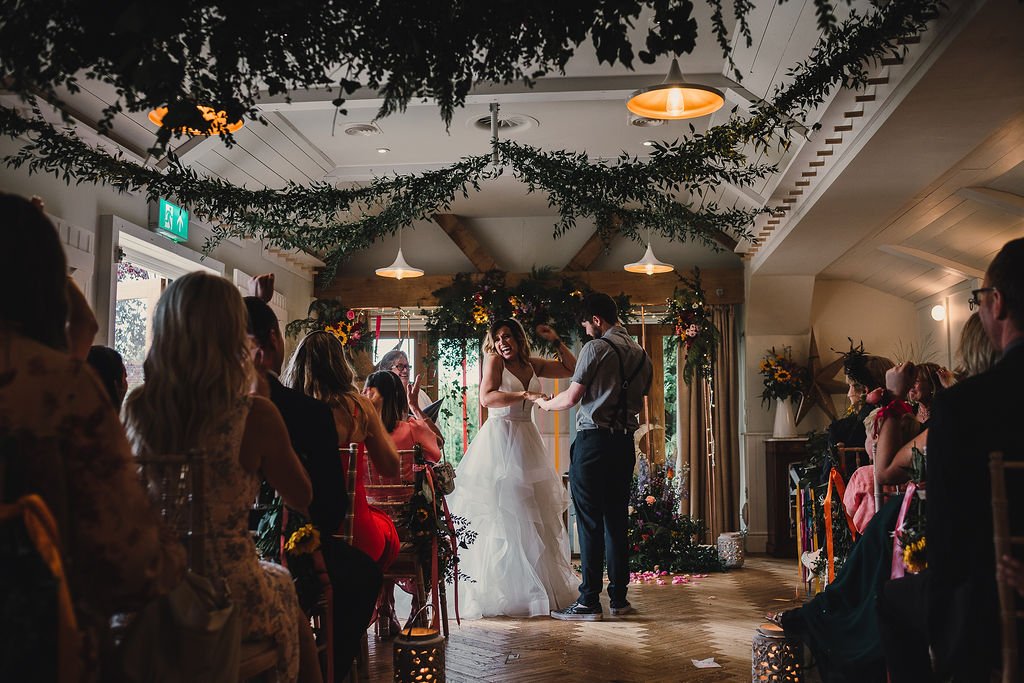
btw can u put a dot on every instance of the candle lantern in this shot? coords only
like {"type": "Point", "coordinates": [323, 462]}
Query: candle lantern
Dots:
{"type": "Point", "coordinates": [776, 657]}
{"type": "Point", "coordinates": [419, 655]}
{"type": "Point", "coordinates": [730, 549]}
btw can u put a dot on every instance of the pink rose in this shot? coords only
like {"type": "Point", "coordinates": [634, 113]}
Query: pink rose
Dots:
{"type": "Point", "coordinates": [351, 315]}
{"type": "Point", "coordinates": [650, 500]}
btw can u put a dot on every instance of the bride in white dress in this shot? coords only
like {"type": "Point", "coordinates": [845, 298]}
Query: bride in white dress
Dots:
{"type": "Point", "coordinates": [509, 491]}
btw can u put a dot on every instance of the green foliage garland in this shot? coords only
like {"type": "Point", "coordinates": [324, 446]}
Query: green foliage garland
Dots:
{"type": "Point", "coordinates": [468, 306]}
{"type": "Point", "coordinates": [283, 49]}
{"type": "Point", "coordinates": [688, 313]}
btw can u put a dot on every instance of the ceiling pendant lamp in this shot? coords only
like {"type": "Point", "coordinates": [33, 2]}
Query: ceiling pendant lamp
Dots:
{"type": "Point", "coordinates": [399, 269]}
{"type": "Point", "coordinates": [649, 264]}
{"type": "Point", "coordinates": [217, 121]}
{"type": "Point", "coordinates": [674, 98]}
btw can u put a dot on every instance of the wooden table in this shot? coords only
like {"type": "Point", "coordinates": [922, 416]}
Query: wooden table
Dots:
{"type": "Point", "coordinates": [780, 454]}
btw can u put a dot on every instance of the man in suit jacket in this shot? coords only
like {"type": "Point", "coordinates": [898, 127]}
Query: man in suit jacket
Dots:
{"type": "Point", "coordinates": [355, 578]}
{"type": "Point", "coordinates": [952, 608]}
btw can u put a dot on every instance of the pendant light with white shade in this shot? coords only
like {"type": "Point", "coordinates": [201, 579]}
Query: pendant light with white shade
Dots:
{"type": "Point", "coordinates": [649, 264]}
{"type": "Point", "coordinates": [399, 269]}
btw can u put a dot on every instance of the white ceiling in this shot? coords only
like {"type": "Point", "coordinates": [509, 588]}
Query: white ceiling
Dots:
{"type": "Point", "coordinates": [959, 87]}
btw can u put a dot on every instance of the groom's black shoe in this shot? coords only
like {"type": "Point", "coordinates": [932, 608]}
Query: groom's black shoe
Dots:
{"type": "Point", "coordinates": [578, 612]}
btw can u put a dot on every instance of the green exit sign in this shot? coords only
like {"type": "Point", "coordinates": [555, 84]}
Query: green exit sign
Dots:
{"type": "Point", "coordinates": [172, 221]}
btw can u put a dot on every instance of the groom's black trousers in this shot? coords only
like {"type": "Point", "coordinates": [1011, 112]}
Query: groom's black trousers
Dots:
{"type": "Point", "coordinates": [600, 472]}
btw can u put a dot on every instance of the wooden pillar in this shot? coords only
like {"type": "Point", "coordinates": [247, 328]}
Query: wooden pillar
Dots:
{"type": "Point", "coordinates": [427, 369]}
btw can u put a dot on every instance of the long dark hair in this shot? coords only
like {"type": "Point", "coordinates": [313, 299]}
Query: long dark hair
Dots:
{"type": "Point", "coordinates": [395, 404]}
{"type": "Point", "coordinates": [40, 311]}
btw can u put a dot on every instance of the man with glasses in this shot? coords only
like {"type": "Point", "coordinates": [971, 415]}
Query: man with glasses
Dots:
{"type": "Point", "coordinates": [944, 622]}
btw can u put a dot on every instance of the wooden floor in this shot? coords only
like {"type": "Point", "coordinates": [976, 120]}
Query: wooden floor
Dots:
{"type": "Point", "coordinates": [711, 617]}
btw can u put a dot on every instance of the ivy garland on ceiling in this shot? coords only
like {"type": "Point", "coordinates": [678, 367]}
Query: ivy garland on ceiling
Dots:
{"type": "Point", "coordinates": [625, 195]}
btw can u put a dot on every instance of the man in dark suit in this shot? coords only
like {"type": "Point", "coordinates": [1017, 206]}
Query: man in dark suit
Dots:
{"type": "Point", "coordinates": [949, 614]}
{"type": "Point", "coordinates": [355, 577]}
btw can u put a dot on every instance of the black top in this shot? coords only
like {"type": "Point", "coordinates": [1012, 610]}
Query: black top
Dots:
{"type": "Point", "coordinates": [315, 440]}
{"type": "Point", "coordinates": [968, 421]}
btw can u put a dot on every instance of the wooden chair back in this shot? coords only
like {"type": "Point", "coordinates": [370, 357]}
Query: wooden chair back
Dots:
{"type": "Point", "coordinates": [175, 483]}
{"type": "Point", "coordinates": [391, 494]}
{"type": "Point", "coordinates": [850, 458]}
{"type": "Point", "coordinates": [1004, 543]}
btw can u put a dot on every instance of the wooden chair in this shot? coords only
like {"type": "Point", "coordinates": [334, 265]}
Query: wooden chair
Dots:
{"type": "Point", "coordinates": [1004, 544]}
{"type": "Point", "coordinates": [393, 498]}
{"type": "Point", "coordinates": [845, 454]}
{"type": "Point", "coordinates": [321, 616]}
{"type": "Point", "coordinates": [176, 486]}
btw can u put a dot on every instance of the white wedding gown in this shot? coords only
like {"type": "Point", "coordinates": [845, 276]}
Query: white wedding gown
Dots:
{"type": "Point", "coordinates": [507, 487]}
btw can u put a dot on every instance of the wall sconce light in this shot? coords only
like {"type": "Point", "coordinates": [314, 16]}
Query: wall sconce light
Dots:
{"type": "Point", "coordinates": [938, 312]}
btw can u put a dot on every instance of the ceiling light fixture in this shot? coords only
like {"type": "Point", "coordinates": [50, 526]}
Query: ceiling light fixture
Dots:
{"type": "Point", "coordinates": [217, 121]}
{"type": "Point", "coordinates": [383, 150]}
{"type": "Point", "coordinates": [649, 264]}
{"type": "Point", "coordinates": [648, 143]}
{"type": "Point", "coordinates": [399, 269]}
{"type": "Point", "coordinates": [674, 98]}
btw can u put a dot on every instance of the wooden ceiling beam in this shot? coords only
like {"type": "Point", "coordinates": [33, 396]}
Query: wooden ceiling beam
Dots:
{"type": "Point", "coordinates": [588, 253]}
{"type": "Point", "coordinates": [465, 241]}
{"type": "Point", "coordinates": [1004, 201]}
{"type": "Point", "coordinates": [721, 285]}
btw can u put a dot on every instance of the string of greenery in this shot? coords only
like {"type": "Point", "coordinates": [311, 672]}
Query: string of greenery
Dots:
{"type": "Point", "coordinates": [623, 195]}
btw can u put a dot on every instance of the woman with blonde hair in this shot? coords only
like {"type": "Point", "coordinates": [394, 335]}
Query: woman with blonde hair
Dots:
{"type": "Point", "coordinates": [196, 398]}
{"type": "Point", "coordinates": [318, 368]}
{"type": "Point", "coordinates": [509, 490]}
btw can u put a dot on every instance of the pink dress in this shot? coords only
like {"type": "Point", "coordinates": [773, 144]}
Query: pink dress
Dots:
{"type": "Point", "coordinates": [859, 498]}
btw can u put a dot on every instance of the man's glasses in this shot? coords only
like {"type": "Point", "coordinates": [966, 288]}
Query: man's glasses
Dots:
{"type": "Point", "coordinates": [400, 366]}
{"type": "Point", "coordinates": [974, 302]}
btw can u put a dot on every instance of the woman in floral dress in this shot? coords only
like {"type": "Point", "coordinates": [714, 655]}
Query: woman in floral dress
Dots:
{"type": "Point", "coordinates": [198, 374]}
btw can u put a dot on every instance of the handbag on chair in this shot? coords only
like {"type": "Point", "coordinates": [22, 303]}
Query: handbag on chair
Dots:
{"type": "Point", "coordinates": [192, 634]}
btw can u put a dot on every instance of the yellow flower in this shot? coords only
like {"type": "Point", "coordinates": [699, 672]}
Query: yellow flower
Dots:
{"type": "Point", "coordinates": [914, 556]}
{"type": "Point", "coordinates": [480, 316]}
{"type": "Point", "coordinates": [783, 376]}
{"type": "Point", "coordinates": [765, 365]}
{"type": "Point", "coordinates": [303, 541]}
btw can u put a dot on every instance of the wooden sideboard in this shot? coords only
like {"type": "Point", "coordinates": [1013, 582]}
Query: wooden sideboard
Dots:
{"type": "Point", "coordinates": [780, 454]}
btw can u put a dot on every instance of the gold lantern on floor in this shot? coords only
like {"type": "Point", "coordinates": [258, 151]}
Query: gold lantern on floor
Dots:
{"type": "Point", "coordinates": [419, 655]}
{"type": "Point", "coordinates": [776, 658]}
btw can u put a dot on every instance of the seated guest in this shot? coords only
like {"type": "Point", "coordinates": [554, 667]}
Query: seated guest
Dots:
{"type": "Point", "coordinates": [319, 369]}
{"type": "Point", "coordinates": [951, 610]}
{"type": "Point", "coordinates": [840, 624]}
{"type": "Point", "coordinates": [892, 425]}
{"type": "Point", "coordinates": [865, 374]}
{"type": "Point", "coordinates": [116, 553]}
{"type": "Point", "coordinates": [109, 367]}
{"type": "Point", "coordinates": [196, 397]}
{"type": "Point", "coordinates": [355, 578]}
{"type": "Point", "coordinates": [385, 391]}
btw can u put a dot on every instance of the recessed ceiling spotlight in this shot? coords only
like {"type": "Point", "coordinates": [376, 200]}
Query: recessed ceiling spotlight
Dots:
{"type": "Point", "coordinates": [383, 150]}
{"type": "Point", "coordinates": [648, 143]}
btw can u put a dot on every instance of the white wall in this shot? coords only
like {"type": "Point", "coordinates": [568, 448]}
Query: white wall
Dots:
{"type": "Point", "coordinates": [82, 205]}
